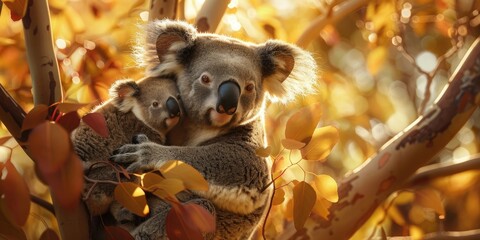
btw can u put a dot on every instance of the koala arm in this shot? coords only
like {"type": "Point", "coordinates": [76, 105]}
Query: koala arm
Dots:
{"type": "Point", "coordinates": [236, 175]}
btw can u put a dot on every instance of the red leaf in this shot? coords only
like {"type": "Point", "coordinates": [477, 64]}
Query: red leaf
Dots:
{"type": "Point", "coordinates": [117, 233]}
{"type": "Point", "coordinates": [49, 234]}
{"type": "Point", "coordinates": [36, 116]}
{"type": "Point", "coordinates": [97, 122]}
{"type": "Point", "coordinates": [16, 197]}
{"type": "Point", "coordinates": [50, 147]}
{"type": "Point", "coordinates": [188, 221]}
{"type": "Point", "coordinates": [69, 121]}
{"type": "Point", "coordinates": [8, 230]}
{"type": "Point", "coordinates": [67, 184]}
{"type": "Point", "coordinates": [18, 8]}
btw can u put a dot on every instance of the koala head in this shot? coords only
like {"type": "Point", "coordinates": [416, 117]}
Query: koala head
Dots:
{"type": "Point", "coordinates": [223, 81]}
{"type": "Point", "coordinates": [154, 101]}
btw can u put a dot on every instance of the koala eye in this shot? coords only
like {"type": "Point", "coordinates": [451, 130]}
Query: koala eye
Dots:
{"type": "Point", "coordinates": [155, 104]}
{"type": "Point", "coordinates": [250, 87]}
{"type": "Point", "coordinates": [205, 79]}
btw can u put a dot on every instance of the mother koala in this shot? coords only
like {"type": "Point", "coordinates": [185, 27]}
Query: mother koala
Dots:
{"type": "Point", "coordinates": [224, 84]}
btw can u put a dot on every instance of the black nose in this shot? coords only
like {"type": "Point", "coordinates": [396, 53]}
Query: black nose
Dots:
{"type": "Point", "coordinates": [173, 107]}
{"type": "Point", "coordinates": [228, 95]}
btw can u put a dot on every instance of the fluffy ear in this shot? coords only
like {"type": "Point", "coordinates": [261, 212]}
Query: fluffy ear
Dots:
{"type": "Point", "coordinates": [123, 93]}
{"type": "Point", "coordinates": [163, 40]}
{"type": "Point", "coordinates": [287, 70]}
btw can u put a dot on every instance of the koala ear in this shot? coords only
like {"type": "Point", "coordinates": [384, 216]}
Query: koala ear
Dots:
{"type": "Point", "coordinates": [287, 70]}
{"type": "Point", "coordinates": [123, 94]}
{"type": "Point", "coordinates": [164, 39]}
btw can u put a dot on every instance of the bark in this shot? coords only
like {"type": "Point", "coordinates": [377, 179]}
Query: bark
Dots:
{"type": "Point", "coordinates": [162, 9]}
{"type": "Point", "coordinates": [209, 16]}
{"type": "Point", "coordinates": [47, 89]}
{"type": "Point", "coordinates": [391, 168]}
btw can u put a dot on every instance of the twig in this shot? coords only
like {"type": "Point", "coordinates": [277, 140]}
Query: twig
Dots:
{"type": "Point", "coordinates": [337, 13]}
{"type": "Point", "coordinates": [437, 170]}
{"type": "Point", "coordinates": [42, 203]}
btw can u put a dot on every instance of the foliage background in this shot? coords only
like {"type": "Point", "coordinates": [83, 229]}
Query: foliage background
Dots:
{"type": "Point", "coordinates": [376, 64]}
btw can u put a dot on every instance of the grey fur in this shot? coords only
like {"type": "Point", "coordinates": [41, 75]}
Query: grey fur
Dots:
{"type": "Point", "coordinates": [222, 148]}
{"type": "Point", "coordinates": [130, 111]}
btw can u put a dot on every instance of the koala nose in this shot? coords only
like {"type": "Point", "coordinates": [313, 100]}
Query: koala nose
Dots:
{"type": "Point", "coordinates": [228, 95]}
{"type": "Point", "coordinates": [173, 107]}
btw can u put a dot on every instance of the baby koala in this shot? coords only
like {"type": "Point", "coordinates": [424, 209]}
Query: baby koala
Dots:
{"type": "Point", "coordinates": [149, 106]}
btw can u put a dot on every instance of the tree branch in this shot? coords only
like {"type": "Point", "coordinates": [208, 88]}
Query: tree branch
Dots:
{"type": "Point", "coordinates": [209, 16]}
{"type": "Point", "coordinates": [338, 12]}
{"type": "Point", "coordinates": [437, 170]}
{"type": "Point", "coordinates": [388, 171]}
{"type": "Point", "coordinates": [42, 203]}
{"type": "Point", "coordinates": [463, 235]}
{"type": "Point", "coordinates": [162, 9]}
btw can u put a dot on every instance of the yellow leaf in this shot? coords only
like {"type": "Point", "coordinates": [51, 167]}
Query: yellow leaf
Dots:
{"type": "Point", "coordinates": [263, 152]}
{"type": "Point", "coordinates": [191, 178]}
{"type": "Point", "coordinates": [304, 198]}
{"type": "Point", "coordinates": [132, 197]}
{"type": "Point", "coordinates": [429, 198]}
{"type": "Point", "coordinates": [321, 207]}
{"type": "Point", "coordinates": [323, 140]}
{"type": "Point", "coordinates": [396, 216]}
{"type": "Point", "coordinates": [278, 197]}
{"type": "Point", "coordinates": [150, 179]}
{"type": "Point", "coordinates": [167, 188]}
{"type": "Point", "coordinates": [326, 187]}
{"type": "Point", "coordinates": [292, 144]}
{"type": "Point", "coordinates": [376, 58]}
{"type": "Point", "coordinates": [302, 123]}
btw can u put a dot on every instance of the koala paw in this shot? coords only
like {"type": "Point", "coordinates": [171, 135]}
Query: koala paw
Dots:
{"type": "Point", "coordinates": [141, 156]}
{"type": "Point", "coordinates": [139, 138]}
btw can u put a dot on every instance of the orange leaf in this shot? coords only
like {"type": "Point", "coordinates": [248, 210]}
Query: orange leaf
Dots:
{"type": "Point", "coordinates": [278, 197]}
{"type": "Point", "coordinates": [65, 107]}
{"type": "Point", "coordinates": [36, 116]}
{"type": "Point", "coordinates": [132, 197]}
{"type": "Point", "coordinates": [302, 123]}
{"type": "Point", "coordinates": [69, 121]}
{"type": "Point", "coordinates": [50, 147]}
{"type": "Point", "coordinates": [321, 207]}
{"type": "Point", "coordinates": [49, 234]}
{"type": "Point", "coordinates": [150, 179]}
{"type": "Point", "coordinates": [96, 121]}
{"type": "Point", "coordinates": [188, 221]}
{"type": "Point", "coordinates": [117, 233]}
{"type": "Point", "coordinates": [167, 188]}
{"type": "Point", "coordinates": [263, 152]}
{"type": "Point", "coordinates": [326, 187]}
{"type": "Point", "coordinates": [18, 8]}
{"type": "Point", "coordinates": [323, 140]}
{"type": "Point", "coordinates": [3, 140]}
{"type": "Point", "coordinates": [292, 144]}
{"type": "Point", "coordinates": [304, 198]}
{"type": "Point", "coordinates": [15, 194]}
{"type": "Point", "coordinates": [67, 184]}
{"type": "Point", "coordinates": [429, 198]}
{"type": "Point", "coordinates": [191, 178]}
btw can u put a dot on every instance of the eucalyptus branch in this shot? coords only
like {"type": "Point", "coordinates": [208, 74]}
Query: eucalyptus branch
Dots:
{"type": "Point", "coordinates": [438, 170]}
{"type": "Point", "coordinates": [161, 9]}
{"type": "Point", "coordinates": [463, 235]}
{"type": "Point", "coordinates": [42, 203]}
{"type": "Point", "coordinates": [209, 16]}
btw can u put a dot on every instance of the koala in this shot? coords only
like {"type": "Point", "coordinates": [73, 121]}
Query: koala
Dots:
{"type": "Point", "coordinates": [224, 84]}
{"type": "Point", "coordinates": [149, 106]}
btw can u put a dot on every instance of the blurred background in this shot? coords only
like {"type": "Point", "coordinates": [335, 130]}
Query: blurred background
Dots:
{"type": "Point", "coordinates": [381, 67]}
